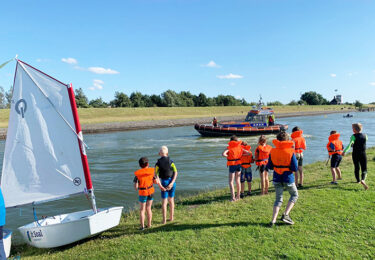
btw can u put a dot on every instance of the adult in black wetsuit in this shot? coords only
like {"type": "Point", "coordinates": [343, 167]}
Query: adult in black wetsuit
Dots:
{"type": "Point", "coordinates": [358, 142]}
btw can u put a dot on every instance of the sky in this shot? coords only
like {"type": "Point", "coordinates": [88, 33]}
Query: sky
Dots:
{"type": "Point", "coordinates": [245, 48]}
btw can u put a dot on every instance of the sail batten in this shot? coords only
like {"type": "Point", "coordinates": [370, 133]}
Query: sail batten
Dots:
{"type": "Point", "coordinates": [42, 160]}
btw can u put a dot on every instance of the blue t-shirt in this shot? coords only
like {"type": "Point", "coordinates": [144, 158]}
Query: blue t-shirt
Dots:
{"type": "Point", "coordinates": [2, 209]}
{"type": "Point", "coordinates": [287, 176]}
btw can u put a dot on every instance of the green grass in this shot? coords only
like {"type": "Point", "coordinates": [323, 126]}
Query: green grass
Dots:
{"type": "Point", "coordinates": [334, 222]}
{"type": "Point", "coordinates": [105, 115]}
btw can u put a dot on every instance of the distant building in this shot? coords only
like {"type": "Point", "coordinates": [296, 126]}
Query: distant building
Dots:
{"type": "Point", "coordinates": [337, 100]}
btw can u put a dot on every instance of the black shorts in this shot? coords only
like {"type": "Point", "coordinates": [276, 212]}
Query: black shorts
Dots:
{"type": "Point", "coordinates": [262, 168]}
{"type": "Point", "coordinates": [335, 160]}
{"type": "Point", "coordinates": [299, 157]}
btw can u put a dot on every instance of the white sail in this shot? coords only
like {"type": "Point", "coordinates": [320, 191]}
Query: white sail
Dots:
{"type": "Point", "coordinates": [42, 159]}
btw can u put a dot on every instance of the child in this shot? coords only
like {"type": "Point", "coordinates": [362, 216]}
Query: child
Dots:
{"type": "Point", "coordinates": [358, 141]}
{"type": "Point", "coordinates": [246, 173]}
{"type": "Point", "coordinates": [335, 148]}
{"type": "Point", "coordinates": [299, 146]}
{"type": "Point", "coordinates": [166, 172]}
{"type": "Point", "coordinates": [262, 153]}
{"type": "Point", "coordinates": [143, 182]}
{"type": "Point", "coordinates": [233, 153]}
{"type": "Point", "coordinates": [283, 162]}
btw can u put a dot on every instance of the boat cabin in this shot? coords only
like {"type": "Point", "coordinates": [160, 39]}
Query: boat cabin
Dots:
{"type": "Point", "coordinates": [263, 116]}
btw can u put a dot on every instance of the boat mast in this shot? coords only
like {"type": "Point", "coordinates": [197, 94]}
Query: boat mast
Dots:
{"type": "Point", "coordinates": [82, 149]}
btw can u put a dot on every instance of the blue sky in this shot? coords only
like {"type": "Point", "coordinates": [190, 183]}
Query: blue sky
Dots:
{"type": "Point", "coordinates": [279, 49]}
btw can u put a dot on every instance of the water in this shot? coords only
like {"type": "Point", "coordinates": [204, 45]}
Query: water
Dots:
{"type": "Point", "coordinates": [113, 158]}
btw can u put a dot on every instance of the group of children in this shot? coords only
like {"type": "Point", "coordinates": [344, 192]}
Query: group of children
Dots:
{"type": "Point", "coordinates": [285, 159]}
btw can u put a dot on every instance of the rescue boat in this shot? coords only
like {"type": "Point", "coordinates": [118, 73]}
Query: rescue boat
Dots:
{"type": "Point", "coordinates": [259, 120]}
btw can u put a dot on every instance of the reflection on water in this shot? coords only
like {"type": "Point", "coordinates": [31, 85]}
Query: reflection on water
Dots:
{"type": "Point", "coordinates": [113, 158]}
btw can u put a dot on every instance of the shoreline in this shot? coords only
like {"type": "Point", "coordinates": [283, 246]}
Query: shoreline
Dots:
{"type": "Point", "coordinates": [149, 124]}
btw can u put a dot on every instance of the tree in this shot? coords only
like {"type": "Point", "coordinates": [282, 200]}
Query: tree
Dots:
{"type": "Point", "coordinates": [81, 99]}
{"type": "Point", "coordinates": [121, 100]}
{"type": "Point", "coordinates": [313, 98]}
{"type": "Point", "coordinates": [293, 103]}
{"type": "Point", "coordinates": [274, 103]}
{"type": "Point", "coordinates": [2, 98]}
{"type": "Point", "coordinates": [170, 98]}
{"type": "Point", "coordinates": [201, 100]}
{"type": "Point", "coordinates": [186, 99]}
{"type": "Point", "coordinates": [358, 104]}
{"type": "Point", "coordinates": [137, 99]}
{"type": "Point", "coordinates": [157, 101]}
{"type": "Point", "coordinates": [8, 97]}
{"type": "Point", "coordinates": [97, 103]}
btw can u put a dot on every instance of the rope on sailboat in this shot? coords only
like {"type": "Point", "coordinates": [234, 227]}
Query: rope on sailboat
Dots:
{"type": "Point", "coordinates": [53, 105]}
{"type": "Point", "coordinates": [35, 216]}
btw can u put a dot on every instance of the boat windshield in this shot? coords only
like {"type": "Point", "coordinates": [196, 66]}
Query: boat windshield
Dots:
{"type": "Point", "coordinates": [255, 118]}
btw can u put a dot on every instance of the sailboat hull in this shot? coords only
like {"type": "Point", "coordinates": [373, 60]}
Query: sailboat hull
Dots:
{"type": "Point", "coordinates": [7, 240]}
{"type": "Point", "coordinates": [68, 228]}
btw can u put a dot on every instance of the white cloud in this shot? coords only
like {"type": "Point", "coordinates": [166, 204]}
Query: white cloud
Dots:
{"type": "Point", "coordinates": [211, 64]}
{"type": "Point", "coordinates": [69, 60]}
{"type": "Point", "coordinates": [230, 76]}
{"type": "Point", "coordinates": [333, 75]}
{"type": "Point", "coordinates": [372, 83]}
{"type": "Point", "coordinates": [97, 85]}
{"type": "Point", "coordinates": [100, 70]}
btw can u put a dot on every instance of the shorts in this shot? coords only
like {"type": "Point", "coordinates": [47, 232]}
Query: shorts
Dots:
{"type": "Point", "coordinates": [168, 193]}
{"type": "Point", "coordinates": [335, 160]}
{"type": "Point", "coordinates": [246, 175]}
{"type": "Point", "coordinates": [299, 157]}
{"type": "Point", "coordinates": [279, 189]}
{"type": "Point", "coordinates": [262, 168]}
{"type": "Point", "coordinates": [235, 168]}
{"type": "Point", "coordinates": [144, 199]}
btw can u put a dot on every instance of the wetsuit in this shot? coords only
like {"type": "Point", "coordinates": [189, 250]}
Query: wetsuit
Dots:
{"type": "Point", "coordinates": [165, 169]}
{"type": "Point", "coordinates": [358, 142]}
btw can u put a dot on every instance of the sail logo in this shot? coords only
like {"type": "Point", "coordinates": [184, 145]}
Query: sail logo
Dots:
{"type": "Point", "coordinates": [21, 107]}
{"type": "Point", "coordinates": [34, 235]}
{"type": "Point", "coordinates": [77, 181]}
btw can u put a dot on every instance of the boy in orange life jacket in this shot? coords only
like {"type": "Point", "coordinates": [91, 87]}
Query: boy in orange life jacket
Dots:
{"type": "Point", "coordinates": [335, 150]}
{"type": "Point", "coordinates": [283, 162]}
{"type": "Point", "coordinates": [233, 153]}
{"type": "Point", "coordinates": [299, 146]}
{"type": "Point", "coordinates": [262, 153]}
{"type": "Point", "coordinates": [143, 182]}
{"type": "Point", "coordinates": [246, 173]}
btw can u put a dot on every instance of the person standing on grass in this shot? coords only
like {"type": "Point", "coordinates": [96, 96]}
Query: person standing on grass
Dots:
{"type": "Point", "coordinates": [246, 174]}
{"type": "Point", "coordinates": [358, 142]}
{"type": "Point", "coordinates": [166, 173]}
{"type": "Point", "coordinates": [143, 182]}
{"type": "Point", "coordinates": [299, 147]}
{"type": "Point", "coordinates": [283, 162]}
{"type": "Point", "coordinates": [335, 150]}
{"type": "Point", "coordinates": [233, 153]}
{"type": "Point", "coordinates": [262, 153]}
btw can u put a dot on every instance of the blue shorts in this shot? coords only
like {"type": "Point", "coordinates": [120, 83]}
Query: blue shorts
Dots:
{"type": "Point", "coordinates": [234, 168]}
{"type": "Point", "coordinates": [246, 175]}
{"type": "Point", "coordinates": [144, 199]}
{"type": "Point", "coordinates": [335, 160]}
{"type": "Point", "coordinates": [168, 193]}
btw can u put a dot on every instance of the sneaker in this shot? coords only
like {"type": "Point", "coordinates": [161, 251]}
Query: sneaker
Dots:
{"type": "Point", "coordinates": [287, 219]}
{"type": "Point", "coordinates": [249, 193]}
{"type": "Point", "coordinates": [300, 186]}
{"type": "Point", "coordinates": [141, 228]}
{"type": "Point", "coordinates": [271, 224]}
{"type": "Point", "coordinates": [242, 195]}
{"type": "Point", "coordinates": [333, 182]}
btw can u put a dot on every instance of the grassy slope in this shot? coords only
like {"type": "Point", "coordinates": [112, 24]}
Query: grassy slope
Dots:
{"type": "Point", "coordinates": [103, 115]}
{"type": "Point", "coordinates": [331, 222]}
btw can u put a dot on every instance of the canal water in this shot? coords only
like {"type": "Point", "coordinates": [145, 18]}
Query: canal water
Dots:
{"type": "Point", "coordinates": [113, 158]}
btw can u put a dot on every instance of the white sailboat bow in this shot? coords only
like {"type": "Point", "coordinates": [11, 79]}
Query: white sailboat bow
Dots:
{"type": "Point", "coordinates": [45, 159]}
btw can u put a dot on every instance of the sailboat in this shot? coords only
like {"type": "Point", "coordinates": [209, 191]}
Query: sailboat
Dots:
{"type": "Point", "coordinates": [45, 159]}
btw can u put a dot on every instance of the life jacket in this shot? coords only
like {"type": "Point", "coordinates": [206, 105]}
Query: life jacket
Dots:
{"type": "Point", "coordinates": [235, 153]}
{"type": "Point", "coordinates": [281, 156]}
{"type": "Point", "coordinates": [246, 160]}
{"type": "Point", "coordinates": [262, 152]}
{"type": "Point", "coordinates": [299, 141]}
{"type": "Point", "coordinates": [334, 139]}
{"type": "Point", "coordinates": [145, 178]}
{"type": "Point", "coordinates": [165, 170]}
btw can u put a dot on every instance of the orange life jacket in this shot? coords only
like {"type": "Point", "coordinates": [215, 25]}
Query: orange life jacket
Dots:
{"type": "Point", "coordinates": [246, 160]}
{"type": "Point", "coordinates": [299, 141]}
{"type": "Point", "coordinates": [235, 153]}
{"type": "Point", "coordinates": [145, 178]}
{"type": "Point", "coordinates": [334, 139]}
{"type": "Point", "coordinates": [261, 154]}
{"type": "Point", "coordinates": [281, 156]}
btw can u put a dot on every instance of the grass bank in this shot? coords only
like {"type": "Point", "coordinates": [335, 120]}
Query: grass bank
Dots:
{"type": "Point", "coordinates": [332, 221]}
{"type": "Point", "coordinates": [107, 115]}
